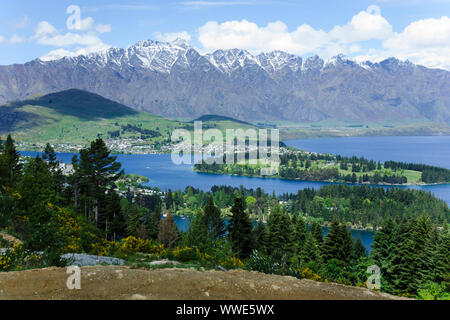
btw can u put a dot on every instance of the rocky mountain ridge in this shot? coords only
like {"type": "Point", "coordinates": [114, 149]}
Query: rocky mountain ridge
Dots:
{"type": "Point", "coordinates": [175, 80]}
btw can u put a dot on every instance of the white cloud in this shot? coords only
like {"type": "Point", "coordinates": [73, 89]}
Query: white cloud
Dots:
{"type": "Point", "coordinates": [61, 53]}
{"type": "Point", "coordinates": [424, 42]}
{"type": "Point", "coordinates": [171, 36]}
{"type": "Point", "coordinates": [44, 28]}
{"type": "Point", "coordinates": [421, 34]}
{"type": "Point", "coordinates": [86, 24]}
{"type": "Point", "coordinates": [2, 39]}
{"type": "Point", "coordinates": [366, 25]}
{"type": "Point", "coordinates": [82, 40]}
{"type": "Point", "coordinates": [70, 39]}
{"type": "Point", "coordinates": [57, 54]}
{"type": "Point", "coordinates": [102, 28]}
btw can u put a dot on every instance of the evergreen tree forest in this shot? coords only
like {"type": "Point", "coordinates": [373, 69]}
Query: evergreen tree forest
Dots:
{"type": "Point", "coordinates": [301, 165]}
{"type": "Point", "coordinates": [55, 211]}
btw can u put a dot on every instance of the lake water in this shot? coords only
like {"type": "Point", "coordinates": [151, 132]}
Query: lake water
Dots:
{"type": "Point", "coordinates": [165, 175]}
{"type": "Point", "coordinates": [432, 150]}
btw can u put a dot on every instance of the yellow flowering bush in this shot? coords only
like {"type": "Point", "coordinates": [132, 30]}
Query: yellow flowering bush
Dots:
{"type": "Point", "coordinates": [133, 244]}
{"type": "Point", "coordinates": [70, 227]}
{"type": "Point", "coordinates": [309, 274]}
{"type": "Point", "coordinates": [17, 258]}
{"type": "Point", "coordinates": [5, 262]}
{"type": "Point", "coordinates": [16, 195]}
{"type": "Point", "coordinates": [104, 247]}
{"type": "Point", "coordinates": [202, 256]}
{"type": "Point", "coordinates": [232, 263]}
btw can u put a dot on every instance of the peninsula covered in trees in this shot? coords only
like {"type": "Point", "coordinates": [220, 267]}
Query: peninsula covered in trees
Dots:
{"type": "Point", "coordinates": [309, 166]}
{"type": "Point", "coordinates": [54, 213]}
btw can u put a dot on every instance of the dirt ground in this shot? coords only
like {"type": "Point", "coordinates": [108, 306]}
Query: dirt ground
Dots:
{"type": "Point", "coordinates": [9, 238]}
{"type": "Point", "coordinates": [114, 282]}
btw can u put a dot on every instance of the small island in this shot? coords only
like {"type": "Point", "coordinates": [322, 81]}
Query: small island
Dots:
{"type": "Point", "coordinates": [296, 164]}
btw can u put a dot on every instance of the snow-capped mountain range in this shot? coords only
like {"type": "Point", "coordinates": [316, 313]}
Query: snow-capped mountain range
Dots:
{"type": "Point", "coordinates": [173, 79]}
{"type": "Point", "coordinates": [162, 56]}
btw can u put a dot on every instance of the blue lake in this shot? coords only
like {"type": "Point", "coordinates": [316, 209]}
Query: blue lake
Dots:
{"type": "Point", "coordinates": [166, 175]}
{"type": "Point", "coordinates": [432, 150]}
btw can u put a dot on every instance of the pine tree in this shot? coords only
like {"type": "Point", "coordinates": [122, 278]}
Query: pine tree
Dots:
{"type": "Point", "coordinates": [95, 172]}
{"type": "Point", "coordinates": [316, 232]}
{"type": "Point", "coordinates": [56, 172]}
{"type": "Point", "coordinates": [215, 225]}
{"type": "Point", "coordinates": [299, 232]}
{"type": "Point", "coordinates": [311, 252]}
{"type": "Point", "coordinates": [9, 163]}
{"type": "Point", "coordinates": [441, 256]}
{"type": "Point", "coordinates": [152, 223]}
{"type": "Point", "coordinates": [382, 243]}
{"type": "Point", "coordinates": [197, 234]}
{"type": "Point", "coordinates": [346, 244]}
{"type": "Point", "coordinates": [280, 233]}
{"type": "Point", "coordinates": [50, 156]}
{"type": "Point", "coordinates": [35, 186]}
{"type": "Point", "coordinates": [240, 228]}
{"type": "Point", "coordinates": [421, 232]}
{"type": "Point", "coordinates": [403, 260]}
{"type": "Point", "coordinates": [113, 219]}
{"type": "Point", "coordinates": [338, 243]}
{"type": "Point", "coordinates": [168, 200]}
{"type": "Point", "coordinates": [260, 237]}
{"type": "Point", "coordinates": [427, 269]}
{"type": "Point", "coordinates": [118, 225]}
{"type": "Point", "coordinates": [359, 250]}
{"type": "Point", "coordinates": [134, 217]}
{"type": "Point", "coordinates": [382, 249]}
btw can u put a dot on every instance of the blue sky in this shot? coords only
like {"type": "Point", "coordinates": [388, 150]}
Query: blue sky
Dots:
{"type": "Point", "coordinates": [418, 30]}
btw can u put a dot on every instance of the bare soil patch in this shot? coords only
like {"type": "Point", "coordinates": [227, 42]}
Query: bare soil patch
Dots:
{"type": "Point", "coordinates": [119, 282]}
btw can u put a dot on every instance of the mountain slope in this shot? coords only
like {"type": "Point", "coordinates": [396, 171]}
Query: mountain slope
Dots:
{"type": "Point", "coordinates": [78, 117]}
{"type": "Point", "coordinates": [173, 79]}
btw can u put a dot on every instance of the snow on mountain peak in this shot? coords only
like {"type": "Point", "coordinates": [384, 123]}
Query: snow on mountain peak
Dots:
{"type": "Point", "coordinates": [162, 56]}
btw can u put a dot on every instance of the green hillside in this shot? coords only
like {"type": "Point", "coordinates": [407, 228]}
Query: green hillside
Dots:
{"type": "Point", "coordinates": [71, 119]}
{"type": "Point", "coordinates": [76, 117]}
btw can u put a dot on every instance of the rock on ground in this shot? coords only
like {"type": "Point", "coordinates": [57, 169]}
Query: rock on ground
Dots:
{"type": "Point", "coordinates": [82, 259]}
